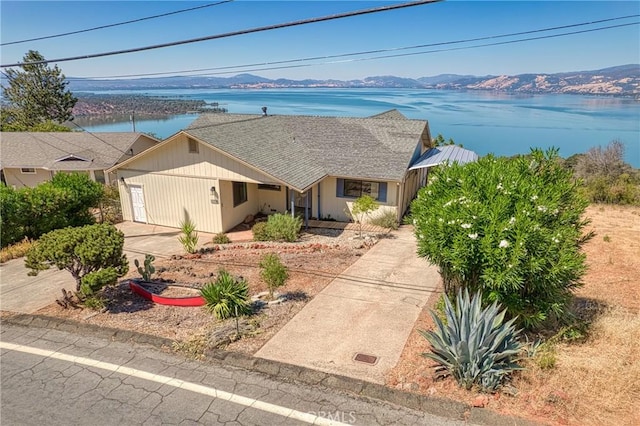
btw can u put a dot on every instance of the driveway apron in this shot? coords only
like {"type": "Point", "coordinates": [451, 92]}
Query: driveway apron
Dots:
{"type": "Point", "coordinates": [364, 314]}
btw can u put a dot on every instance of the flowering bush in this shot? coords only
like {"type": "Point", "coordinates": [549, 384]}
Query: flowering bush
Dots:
{"type": "Point", "coordinates": [510, 228]}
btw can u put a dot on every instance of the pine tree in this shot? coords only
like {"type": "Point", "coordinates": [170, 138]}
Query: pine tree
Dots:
{"type": "Point", "coordinates": [36, 96]}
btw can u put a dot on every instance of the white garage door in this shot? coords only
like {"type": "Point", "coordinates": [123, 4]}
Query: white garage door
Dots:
{"type": "Point", "coordinates": [137, 201]}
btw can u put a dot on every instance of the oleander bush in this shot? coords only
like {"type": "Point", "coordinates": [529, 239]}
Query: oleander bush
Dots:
{"type": "Point", "coordinates": [511, 228]}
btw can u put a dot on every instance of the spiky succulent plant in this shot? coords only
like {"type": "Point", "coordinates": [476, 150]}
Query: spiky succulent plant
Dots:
{"type": "Point", "coordinates": [474, 346]}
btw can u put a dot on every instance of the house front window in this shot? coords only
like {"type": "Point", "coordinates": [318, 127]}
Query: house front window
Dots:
{"type": "Point", "coordinates": [28, 171]}
{"type": "Point", "coordinates": [239, 193]}
{"type": "Point", "coordinates": [351, 188]}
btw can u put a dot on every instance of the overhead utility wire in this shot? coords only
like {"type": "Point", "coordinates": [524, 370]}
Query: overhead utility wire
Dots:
{"type": "Point", "coordinates": [341, 55]}
{"type": "Point", "coordinates": [419, 53]}
{"type": "Point", "coordinates": [116, 24]}
{"type": "Point", "coordinates": [232, 33]}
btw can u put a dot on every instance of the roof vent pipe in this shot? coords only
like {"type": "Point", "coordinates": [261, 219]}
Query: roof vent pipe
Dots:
{"type": "Point", "coordinates": [264, 111]}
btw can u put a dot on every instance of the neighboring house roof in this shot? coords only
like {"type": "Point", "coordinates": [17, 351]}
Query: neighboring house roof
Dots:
{"type": "Point", "coordinates": [391, 114]}
{"type": "Point", "coordinates": [64, 150]}
{"type": "Point", "coordinates": [301, 150]}
{"type": "Point", "coordinates": [442, 154]}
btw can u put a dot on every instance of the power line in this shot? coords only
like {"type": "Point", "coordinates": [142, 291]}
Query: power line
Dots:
{"type": "Point", "coordinates": [315, 58]}
{"type": "Point", "coordinates": [416, 53]}
{"type": "Point", "coordinates": [233, 33]}
{"type": "Point", "coordinates": [116, 24]}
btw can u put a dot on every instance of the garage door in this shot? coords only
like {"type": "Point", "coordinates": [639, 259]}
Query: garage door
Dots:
{"type": "Point", "coordinates": [137, 201]}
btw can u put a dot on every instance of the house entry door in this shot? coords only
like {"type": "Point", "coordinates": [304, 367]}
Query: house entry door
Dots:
{"type": "Point", "coordinates": [137, 202]}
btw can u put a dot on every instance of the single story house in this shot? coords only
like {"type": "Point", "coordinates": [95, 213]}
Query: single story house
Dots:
{"type": "Point", "coordinates": [225, 167]}
{"type": "Point", "coordinates": [30, 158]}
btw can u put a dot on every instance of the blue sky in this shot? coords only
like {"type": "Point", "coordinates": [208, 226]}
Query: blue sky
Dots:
{"type": "Point", "coordinates": [432, 23]}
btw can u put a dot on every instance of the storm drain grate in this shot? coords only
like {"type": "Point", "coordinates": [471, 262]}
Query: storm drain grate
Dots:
{"type": "Point", "coordinates": [367, 359]}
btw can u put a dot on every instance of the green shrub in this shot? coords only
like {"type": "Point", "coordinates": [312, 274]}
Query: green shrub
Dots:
{"type": "Point", "coordinates": [31, 212]}
{"type": "Point", "coordinates": [80, 251]}
{"type": "Point", "coordinates": [12, 213]}
{"type": "Point", "coordinates": [475, 347]}
{"type": "Point", "coordinates": [227, 297]}
{"type": "Point", "coordinates": [510, 228]}
{"type": "Point", "coordinates": [259, 231]}
{"type": "Point", "coordinates": [83, 195]}
{"type": "Point", "coordinates": [273, 272]}
{"type": "Point", "coordinates": [148, 269]}
{"type": "Point", "coordinates": [387, 220]}
{"type": "Point", "coordinates": [284, 227]}
{"type": "Point", "coordinates": [93, 282]}
{"type": "Point", "coordinates": [279, 227]}
{"type": "Point", "coordinates": [189, 238]}
{"type": "Point", "coordinates": [221, 238]}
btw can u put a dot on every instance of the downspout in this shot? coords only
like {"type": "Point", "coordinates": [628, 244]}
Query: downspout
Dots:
{"type": "Point", "coordinates": [319, 209]}
{"type": "Point", "coordinates": [292, 202]}
{"type": "Point", "coordinates": [306, 210]}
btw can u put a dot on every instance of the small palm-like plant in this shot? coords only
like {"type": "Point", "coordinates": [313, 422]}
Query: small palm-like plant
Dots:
{"type": "Point", "coordinates": [475, 346]}
{"type": "Point", "coordinates": [227, 297]}
{"type": "Point", "coordinates": [189, 237]}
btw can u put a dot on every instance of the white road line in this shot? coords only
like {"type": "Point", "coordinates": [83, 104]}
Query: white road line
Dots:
{"type": "Point", "coordinates": [172, 381]}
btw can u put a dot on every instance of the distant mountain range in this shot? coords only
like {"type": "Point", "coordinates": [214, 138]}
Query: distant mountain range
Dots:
{"type": "Point", "coordinates": [622, 80]}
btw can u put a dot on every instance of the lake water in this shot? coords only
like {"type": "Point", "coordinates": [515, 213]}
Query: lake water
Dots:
{"type": "Point", "coordinates": [502, 124]}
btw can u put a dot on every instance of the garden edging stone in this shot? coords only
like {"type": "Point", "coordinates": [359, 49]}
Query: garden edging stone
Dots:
{"type": "Point", "coordinates": [438, 406]}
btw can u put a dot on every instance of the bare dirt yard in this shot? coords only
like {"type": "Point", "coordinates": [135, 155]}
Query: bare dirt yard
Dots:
{"type": "Point", "coordinates": [595, 380]}
{"type": "Point", "coordinates": [319, 256]}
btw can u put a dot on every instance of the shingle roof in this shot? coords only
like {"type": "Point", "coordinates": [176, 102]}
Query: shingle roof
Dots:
{"type": "Point", "coordinates": [442, 154]}
{"type": "Point", "coordinates": [59, 150]}
{"type": "Point", "coordinates": [300, 150]}
{"type": "Point", "coordinates": [392, 114]}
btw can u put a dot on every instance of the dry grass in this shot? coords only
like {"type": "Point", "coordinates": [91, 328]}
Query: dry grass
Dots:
{"type": "Point", "coordinates": [15, 251]}
{"type": "Point", "coordinates": [595, 382]}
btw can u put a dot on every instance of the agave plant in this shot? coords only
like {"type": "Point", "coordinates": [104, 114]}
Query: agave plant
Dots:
{"type": "Point", "coordinates": [475, 346]}
{"type": "Point", "coordinates": [227, 297]}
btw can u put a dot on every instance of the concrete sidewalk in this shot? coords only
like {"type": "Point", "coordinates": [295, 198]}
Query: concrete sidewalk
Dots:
{"type": "Point", "coordinates": [369, 309]}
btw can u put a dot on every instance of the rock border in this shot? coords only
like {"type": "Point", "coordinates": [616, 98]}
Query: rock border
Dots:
{"type": "Point", "coordinates": [438, 406]}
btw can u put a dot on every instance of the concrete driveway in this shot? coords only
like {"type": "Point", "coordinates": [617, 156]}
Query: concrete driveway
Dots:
{"type": "Point", "coordinates": [22, 293]}
{"type": "Point", "coordinates": [369, 309]}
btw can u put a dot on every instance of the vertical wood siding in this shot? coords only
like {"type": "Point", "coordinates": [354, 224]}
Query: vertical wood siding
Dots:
{"type": "Point", "coordinates": [175, 158]}
{"type": "Point", "coordinates": [171, 199]}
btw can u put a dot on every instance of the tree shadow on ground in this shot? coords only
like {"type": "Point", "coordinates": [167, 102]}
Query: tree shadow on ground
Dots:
{"type": "Point", "coordinates": [120, 299]}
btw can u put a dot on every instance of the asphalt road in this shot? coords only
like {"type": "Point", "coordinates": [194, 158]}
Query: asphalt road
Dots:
{"type": "Point", "coordinates": [57, 378]}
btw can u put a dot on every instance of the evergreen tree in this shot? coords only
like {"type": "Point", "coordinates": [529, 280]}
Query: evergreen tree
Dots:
{"type": "Point", "coordinates": [36, 96]}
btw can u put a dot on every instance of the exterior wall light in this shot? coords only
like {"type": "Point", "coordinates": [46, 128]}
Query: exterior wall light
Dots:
{"type": "Point", "coordinates": [215, 198]}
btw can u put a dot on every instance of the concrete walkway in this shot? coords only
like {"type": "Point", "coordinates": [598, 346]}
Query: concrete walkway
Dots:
{"type": "Point", "coordinates": [369, 309]}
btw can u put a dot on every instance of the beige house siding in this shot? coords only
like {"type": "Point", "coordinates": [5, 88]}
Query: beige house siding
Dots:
{"type": "Point", "coordinates": [173, 157]}
{"type": "Point", "coordinates": [270, 201]}
{"type": "Point", "coordinates": [334, 206]}
{"type": "Point", "coordinates": [232, 216]}
{"type": "Point", "coordinates": [170, 199]}
{"type": "Point", "coordinates": [17, 179]}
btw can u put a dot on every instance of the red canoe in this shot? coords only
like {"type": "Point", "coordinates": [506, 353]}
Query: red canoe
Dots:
{"type": "Point", "coordinates": [163, 300]}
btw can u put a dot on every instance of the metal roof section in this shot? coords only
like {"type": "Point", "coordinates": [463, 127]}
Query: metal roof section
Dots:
{"type": "Point", "coordinates": [444, 154]}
